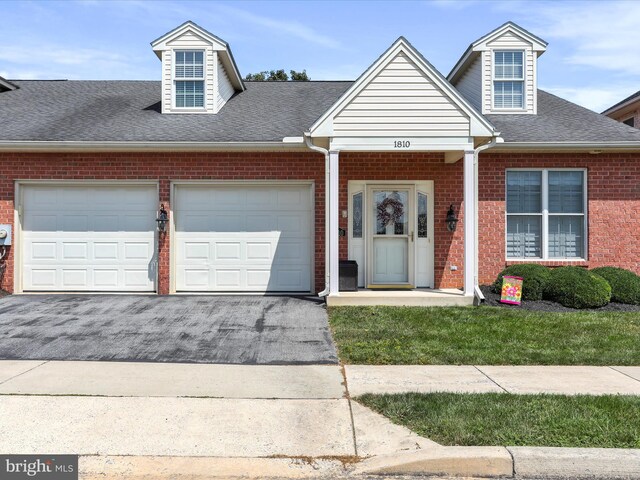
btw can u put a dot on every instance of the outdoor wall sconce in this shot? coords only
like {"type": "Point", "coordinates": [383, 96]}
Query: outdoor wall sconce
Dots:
{"type": "Point", "coordinates": [163, 218]}
{"type": "Point", "coordinates": [452, 220]}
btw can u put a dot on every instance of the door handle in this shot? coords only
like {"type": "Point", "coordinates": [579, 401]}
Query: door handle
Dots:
{"type": "Point", "coordinates": [411, 235]}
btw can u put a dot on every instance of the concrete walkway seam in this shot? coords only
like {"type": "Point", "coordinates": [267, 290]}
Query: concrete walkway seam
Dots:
{"type": "Point", "coordinates": [348, 397]}
{"type": "Point", "coordinates": [623, 373]}
{"type": "Point", "coordinates": [22, 373]}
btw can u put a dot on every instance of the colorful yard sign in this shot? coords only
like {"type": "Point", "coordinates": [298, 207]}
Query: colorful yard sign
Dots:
{"type": "Point", "coordinates": [511, 290]}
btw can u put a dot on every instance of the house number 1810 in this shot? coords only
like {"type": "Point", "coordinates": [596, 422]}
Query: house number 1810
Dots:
{"type": "Point", "coordinates": [401, 144]}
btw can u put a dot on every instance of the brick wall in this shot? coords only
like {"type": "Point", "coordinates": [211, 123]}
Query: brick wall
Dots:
{"type": "Point", "coordinates": [613, 188]}
{"type": "Point", "coordinates": [163, 167]}
{"type": "Point", "coordinates": [447, 178]}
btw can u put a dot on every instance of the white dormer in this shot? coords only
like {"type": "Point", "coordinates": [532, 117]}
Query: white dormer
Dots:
{"type": "Point", "coordinates": [199, 74]}
{"type": "Point", "coordinates": [497, 73]}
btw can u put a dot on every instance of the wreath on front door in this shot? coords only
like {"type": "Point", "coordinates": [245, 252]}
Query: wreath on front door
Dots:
{"type": "Point", "coordinates": [390, 211]}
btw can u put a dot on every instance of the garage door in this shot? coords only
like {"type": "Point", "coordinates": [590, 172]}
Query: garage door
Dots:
{"type": "Point", "coordinates": [89, 238]}
{"type": "Point", "coordinates": [243, 238]}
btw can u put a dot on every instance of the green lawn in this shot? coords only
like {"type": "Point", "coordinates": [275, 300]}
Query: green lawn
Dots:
{"type": "Point", "coordinates": [515, 420]}
{"type": "Point", "coordinates": [484, 335]}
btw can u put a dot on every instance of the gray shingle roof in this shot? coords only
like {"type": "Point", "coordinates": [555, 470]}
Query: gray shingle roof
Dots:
{"type": "Point", "coordinates": [130, 111]}
{"type": "Point", "coordinates": [267, 111]}
{"type": "Point", "coordinates": [559, 120]}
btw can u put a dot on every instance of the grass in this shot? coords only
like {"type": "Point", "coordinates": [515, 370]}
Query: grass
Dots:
{"type": "Point", "coordinates": [515, 420]}
{"type": "Point", "coordinates": [484, 335]}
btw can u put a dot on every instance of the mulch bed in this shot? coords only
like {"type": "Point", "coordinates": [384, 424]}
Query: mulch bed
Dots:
{"type": "Point", "coordinates": [493, 300]}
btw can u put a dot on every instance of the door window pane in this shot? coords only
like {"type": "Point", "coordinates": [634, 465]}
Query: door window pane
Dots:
{"type": "Point", "coordinates": [422, 216]}
{"type": "Point", "coordinates": [391, 212]}
{"type": "Point", "coordinates": [566, 236]}
{"type": "Point", "coordinates": [524, 236]}
{"type": "Point", "coordinates": [524, 192]}
{"type": "Point", "coordinates": [566, 192]}
{"type": "Point", "coordinates": [356, 226]}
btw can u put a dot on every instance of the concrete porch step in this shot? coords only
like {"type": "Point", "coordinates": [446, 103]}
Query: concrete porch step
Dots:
{"type": "Point", "coordinates": [399, 298]}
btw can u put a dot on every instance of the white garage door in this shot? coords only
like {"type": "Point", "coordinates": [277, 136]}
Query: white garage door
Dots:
{"type": "Point", "coordinates": [243, 238]}
{"type": "Point", "coordinates": [89, 238]}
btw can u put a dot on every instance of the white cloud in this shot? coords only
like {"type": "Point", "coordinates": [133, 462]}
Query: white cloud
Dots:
{"type": "Point", "coordinates": [593, 97]}
{"type": "Point", "coordinates": [603, 35]}
{"type": "Point", "coordinates": [278, 26]}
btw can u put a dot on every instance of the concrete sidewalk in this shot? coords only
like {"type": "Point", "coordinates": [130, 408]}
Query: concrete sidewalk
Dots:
{"type": "Point", "coordinates": [195, 421]}
{"type": "Point", "coordinates": [564, 380]}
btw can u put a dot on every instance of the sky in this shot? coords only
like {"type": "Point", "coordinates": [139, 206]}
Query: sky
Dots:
{"type": "Point", "coordinates": [593, 57]}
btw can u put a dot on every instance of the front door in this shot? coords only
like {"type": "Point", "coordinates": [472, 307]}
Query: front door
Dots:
{"type": "Point", "coordinates": [391, 236]}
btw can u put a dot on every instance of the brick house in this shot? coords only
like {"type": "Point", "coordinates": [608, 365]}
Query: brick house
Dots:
{"type": "Point", "coordinates": [626, 111]}
{"type": "Point", "coordinates": [432, 184]}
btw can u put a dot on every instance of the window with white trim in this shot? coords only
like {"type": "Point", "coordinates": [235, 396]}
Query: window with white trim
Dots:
{"type": "Point", "coordinates": [189, 75]}
{"type": "Point", "coordinates": [546, 214]}
{"type": "Point", "coordinates": [508, 79]}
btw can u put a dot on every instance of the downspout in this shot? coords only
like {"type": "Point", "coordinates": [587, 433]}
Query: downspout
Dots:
{"type": "Point", "coordinates": [478, 296]}
{"type": "Point", "coordinates": [325, 152]}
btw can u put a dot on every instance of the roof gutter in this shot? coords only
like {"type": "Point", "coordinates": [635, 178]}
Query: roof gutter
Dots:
{"type": "Point", "coordinates": [568, 146]}
{"type": "Point", "coordinates": [325, 152]}
{"type": "Point", "coordinates": [79, 146]}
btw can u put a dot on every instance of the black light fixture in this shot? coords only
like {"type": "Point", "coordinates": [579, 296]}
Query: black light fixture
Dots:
{"type": "Point", "coordinates": [163, 218]}
{"type": "Point", "coordinates": [452, 220]}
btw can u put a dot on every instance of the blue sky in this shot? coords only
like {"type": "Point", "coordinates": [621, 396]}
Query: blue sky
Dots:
{"type": "Point", "coordinates": [593, 57]}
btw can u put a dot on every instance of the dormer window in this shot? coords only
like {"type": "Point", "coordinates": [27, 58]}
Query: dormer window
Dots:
{"type": "Point", "coordinates": [508, 80]}
{"type": "Point", "coordinates": [189, 79]}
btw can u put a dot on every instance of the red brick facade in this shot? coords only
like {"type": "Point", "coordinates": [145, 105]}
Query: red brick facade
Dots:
{"type": "Point", "coordinates": [447, 178]}
{"type": "Point", "coordinates": [613, 195]}
{"type": "Point", "coordinates": [163, 167]}
{"type": "Point", "coordinates": [613, 208]}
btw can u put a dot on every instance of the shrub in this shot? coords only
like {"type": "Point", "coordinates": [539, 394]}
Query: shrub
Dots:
{"type": "Point", "coordinates": [625, 285]}
{"type": "Point", "coordinates": [534, 279]}
{"type": "Point", "coordinates": [576, 287]}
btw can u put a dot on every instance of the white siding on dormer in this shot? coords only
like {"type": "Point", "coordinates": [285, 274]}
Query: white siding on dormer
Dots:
{"type": "Point", "coordinates": [470, 84]}
{"type": "Point", "coordinates": [188, 40]}
{"type": "Point", "coordinates": [401, 101]}
{"type": "Point", "coordinates": [225, 88]}
{"type": "Point", "coordinates": [510, 41]}
{"type": "Point", "coordinates": [167, 81]}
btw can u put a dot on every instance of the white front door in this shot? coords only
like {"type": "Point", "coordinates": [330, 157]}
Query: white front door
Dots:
{"type": "Point", "coordinates": [243, 238]}
{"type": "Point", "coordinates": [89, 237]}
{"type": "Point", "coordinates": [392, 236]}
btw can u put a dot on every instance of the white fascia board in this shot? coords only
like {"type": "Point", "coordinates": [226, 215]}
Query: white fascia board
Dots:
{"type": "Point", "coordinates": [621, 107]}
{"type": "Point", "coordinates": [567, 146]}
{"type": "Point", "coordinates": [537, 44]}
{"type": "Point", "coordinates": [461, 66]}
{"type": "Point", "coordinates": [415, 144]}
{"type": "Point", "coordinates": [71, 146]}
{"type": "Point", "coordinates": [161, 43]}
{"type": "Point", "coordinates": [481, 126]}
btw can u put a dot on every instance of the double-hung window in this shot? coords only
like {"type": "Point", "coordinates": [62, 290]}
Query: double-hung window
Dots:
{"type": "Point", "coordinates": [546, 214]}
{"type": "Point", "coordinates": [508, 79]}
{"type": "Point", "coordinates": [189, 79]}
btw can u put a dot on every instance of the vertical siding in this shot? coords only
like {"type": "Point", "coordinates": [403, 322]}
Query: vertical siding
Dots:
{"type": "Point", "coordinates": [225, 88]}
{"type": "Point", "coordinates": [510, 41]}
{"type": "Point", "coordinates": [401, 100]}
{"type": "Point", "coordinates": [470, 84]}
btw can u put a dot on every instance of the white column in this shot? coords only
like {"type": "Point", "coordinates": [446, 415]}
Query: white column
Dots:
{"type": "Point", "coordinates": [332, 250]}
{"type": "Point", "coordinates": [469, 223]}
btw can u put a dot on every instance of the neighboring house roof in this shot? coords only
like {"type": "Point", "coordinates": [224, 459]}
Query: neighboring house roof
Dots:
{"type": "Point", "coordinates": [121, 111]}
{"type": "Point", "coordinates": [623, 103]}
{"type": "Point", "coordinates": [6, 85]}
{"type": "Point", "coordinates": [130, 111]}
{"type": "Point", "coordinates": [560, 121]}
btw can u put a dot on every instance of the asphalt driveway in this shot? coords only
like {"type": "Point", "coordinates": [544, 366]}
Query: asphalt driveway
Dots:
{"type": "Point", "coordinates": [177, 328]}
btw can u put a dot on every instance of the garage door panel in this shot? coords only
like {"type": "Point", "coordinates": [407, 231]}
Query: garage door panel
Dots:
{"type": "Point", "coordinates": [101, 238]}
{"type": "Point", "coordinates": [246, 238]}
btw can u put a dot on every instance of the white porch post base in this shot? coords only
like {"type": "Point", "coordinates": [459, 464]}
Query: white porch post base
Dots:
{"type": "Point", "coordinates": [469, 224]}
{"type": "Point", "coordinates": [332, 250]}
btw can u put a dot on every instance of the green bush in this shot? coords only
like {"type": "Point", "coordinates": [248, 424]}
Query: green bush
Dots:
{"type": "Point", "coordinates": [534, 279]}
{"type": "Point", "coordinates": [625, 285]}
{"type": "Point", "coordinates": [576, 287]}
